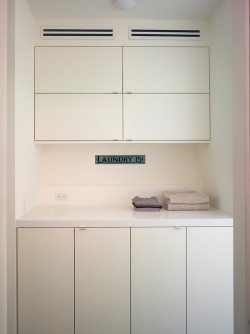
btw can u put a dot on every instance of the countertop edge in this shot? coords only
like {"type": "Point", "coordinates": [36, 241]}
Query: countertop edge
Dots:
{"type": "Point", "coordinates": [119, 217]}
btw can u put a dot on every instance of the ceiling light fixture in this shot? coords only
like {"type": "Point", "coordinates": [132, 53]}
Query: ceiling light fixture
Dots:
{"type": "Point", "coordinates": [125, 4]}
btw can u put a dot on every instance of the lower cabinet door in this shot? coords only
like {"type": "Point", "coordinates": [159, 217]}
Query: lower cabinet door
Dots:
{"type": "Point", "coordinates": [45, 281]}
{"type": "Point", "coordinates": [210, 280]}
{"type": "Point", "coordinates": [102, 281]}
{"type": "Point", "coordinates": [158, 281]}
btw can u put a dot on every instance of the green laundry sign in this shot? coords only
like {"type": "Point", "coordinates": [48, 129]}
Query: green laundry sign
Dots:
{"type": "Point", "coordinates": [120, 159]}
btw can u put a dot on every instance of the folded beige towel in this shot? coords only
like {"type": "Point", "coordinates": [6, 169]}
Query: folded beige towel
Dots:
{"type": "Point", "coordinates": [186, 207]}
{"type": "Point", "coordinates": [185, 197]}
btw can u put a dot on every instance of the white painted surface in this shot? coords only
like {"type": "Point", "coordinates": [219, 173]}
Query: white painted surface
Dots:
{"type": "Point", "coordinates": [166, 117]}
{"type": "Point", "coordinates": [74, 165]}
{"type": "Point", "coordinates": [27, 154]}
{"type": "Point", "coordinates": [217, 158]}
{"type": "Point", "coordinates": [118, 216]}
{"type": "Point", "coordinates": [46, 281]}
{"type": "Point", "coordinates": [78, 117]}
{"type": "Point", "coordinates": [166, 70]}
{"type": "Point", "coordinates": [210, 280]}
{"type": "Point", "coordinates": [148, 9]}
{"type": "Point", "coordinates": [106, 195]}
{"type": "Point", "coordinates": [102, 281]}
{"type": "Point", "coordinates": [121, 31]}
{"type": "Point", "coordinates": [158, 281]}
{"type": "Point", "coordinates": [78, 70]}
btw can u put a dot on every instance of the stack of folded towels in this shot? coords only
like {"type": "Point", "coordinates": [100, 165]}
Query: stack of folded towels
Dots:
{"type": "Point", "coordinates": [186, 201]}
{"type": "Point", "coordinates": [146, 204]}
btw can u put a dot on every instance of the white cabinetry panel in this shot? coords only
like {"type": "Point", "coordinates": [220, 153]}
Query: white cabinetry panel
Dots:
{"type": "Point", "coordinates": [166, 69]}
{"type": "Point", "coordinates": [102, 281]}
{"type": "Point", "coordinates": [46, 281]}
{"type": "Point", "coordinates": [78, 117]}
{"type": "Point", "coordinates": [78, 69]}
{"type": "Point", "coordinates": [210, 280]}
{"type": "Point", "coordinates": [158, 280]}
{"type": "Point", "coordinates": [166, 117]}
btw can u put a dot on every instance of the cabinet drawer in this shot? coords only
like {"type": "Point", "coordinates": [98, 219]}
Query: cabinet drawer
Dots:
{"type": "Point", "coordinates": [78, 117]}
{"type": "Point", "coordinates": [170, 117]}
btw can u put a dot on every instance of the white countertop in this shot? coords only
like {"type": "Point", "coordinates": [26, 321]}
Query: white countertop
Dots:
{"type": "Point", "coordinates": [118, 216]}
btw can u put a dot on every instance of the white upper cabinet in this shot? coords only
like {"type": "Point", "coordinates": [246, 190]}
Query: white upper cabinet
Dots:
{"type": "Point", "coordinates": [82, 93]}
{"type": "Point", "coordinates": [78, 70]}
{"type": "Point", "coordinates": [166, 70]}
{"type": "Point", "coordinates": [173, 117]}
{"type": "Point", "coordinates": [78, 117]}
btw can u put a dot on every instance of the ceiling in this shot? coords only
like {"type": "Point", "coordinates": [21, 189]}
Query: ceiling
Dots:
{"type": "Point", "coordinates": [105, 9]}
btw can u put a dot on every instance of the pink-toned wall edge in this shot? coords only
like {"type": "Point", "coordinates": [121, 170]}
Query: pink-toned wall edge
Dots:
{"type": "Point", "coordinates": [3, 166]}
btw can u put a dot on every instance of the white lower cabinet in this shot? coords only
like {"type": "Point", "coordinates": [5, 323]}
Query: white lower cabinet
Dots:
{"type": "Point", "coordinates": [160, 280]}
{"type": "Point", "coordinates": [209, 280]}
{"type": "Point", "coordinates": [102, 281]}
{"type": "Point", "coordinates": [45, 281]}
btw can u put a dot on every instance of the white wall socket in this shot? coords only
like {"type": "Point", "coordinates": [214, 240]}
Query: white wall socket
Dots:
{"type": "Point", "coordinates": [61, 196]}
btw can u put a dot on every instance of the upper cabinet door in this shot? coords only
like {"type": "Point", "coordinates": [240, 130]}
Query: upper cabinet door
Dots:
{"type": "Point", "coordinates": [166, 69]}
{"type": "Point", "coordinates": [78, 70]}
{"type": "Point", "coordinates": [78, 117]}
{"type": "Point", "coordinates": [172, 117]}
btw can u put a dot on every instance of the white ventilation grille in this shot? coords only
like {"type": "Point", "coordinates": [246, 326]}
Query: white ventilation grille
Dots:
{"type": "Point", "coordinates": [76, 33]}
{"type": "Point", "coordinates": [165, 33]}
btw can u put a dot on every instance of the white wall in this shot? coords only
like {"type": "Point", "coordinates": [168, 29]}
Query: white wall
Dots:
{"type": "Point", "coordinates": [27, 153]}
{"type": "Point", "coordinates": [217, 158]}
{"type": "Point", "coordinates": [121, 32]}
{"type": "Point", "coordinates": [71, 165]}
{"type": "Point", "coordinates": [71, 169]}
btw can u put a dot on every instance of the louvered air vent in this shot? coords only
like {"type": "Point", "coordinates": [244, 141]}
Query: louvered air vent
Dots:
{"type": "Point", "coordinates": [76, 33]}
{"type": "Point", "coordinates": [165, 33]}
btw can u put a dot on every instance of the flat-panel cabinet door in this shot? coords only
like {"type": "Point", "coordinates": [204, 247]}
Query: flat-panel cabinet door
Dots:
{"type": "Point", "coordinates": [78, 69]}
{"type": "Point", "coordinates": [166, 69]}
{"type": "Point", "coordinates": [78, 117]}
{"type": "Point", "coordinates": [45, 281]}
{"type": "Point", "coordinates": [158, 280]}
{"type": "Point", "coordinates": [210, 280]}
{"type": "Point", "coordinates": [102, 281]}
{"type": "Point", "coordinates": [166, 117]}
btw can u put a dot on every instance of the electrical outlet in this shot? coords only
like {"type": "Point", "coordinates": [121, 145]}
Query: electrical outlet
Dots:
{"type": "Point", "coordinates": [61, 196]}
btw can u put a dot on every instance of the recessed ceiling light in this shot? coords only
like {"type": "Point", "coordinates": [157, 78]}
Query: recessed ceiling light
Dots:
{"type": "Point", "coordinates": [125, 4]}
